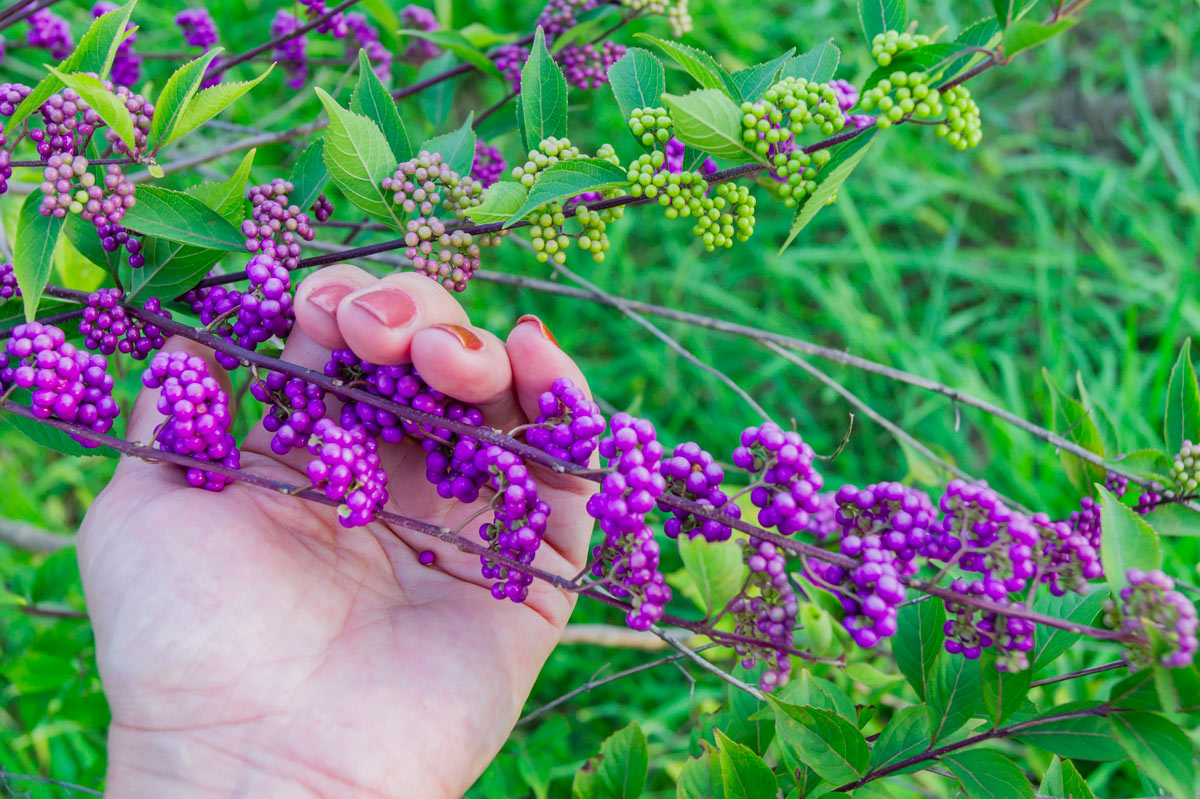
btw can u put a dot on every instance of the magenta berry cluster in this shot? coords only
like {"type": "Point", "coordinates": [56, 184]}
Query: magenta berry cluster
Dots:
{"type": "Point", "coordinates": [65, 383]}
{"type": "Point", "coordinates": [291, 54]}
{"type": "Point", "coordinates": [419, 18]}
{"type": "Point", "coordinates": [199, 30]}
{"type": "Point", "coordinates": [266, 305]}
{"type": "Point", "coordinates": [568, 424]}
{"type": "Point", "coordinates": [519, 524]}
{"type": "Point", "coordinates": [510, 60]}
{"type": "Point", "coordinates": [586, 66]}
{"type": "Point", "coordinates": [276, 225]}
{"type": "Point", "coordinates": [11, 96]}
{"type": "Point", "coordinates": [766, 611]}
{"type": "Point", "coordinates": [693, 474]}
{"type": "Point", "coordinates": [294, 406]}
{"type": "Point", "coordinates": [322, 208]}
{"type": "Point", "coordinates": [8, 282]}
{"type": "Point", "coordinates": [489, 165]}
{"type": "Point", "coordinates": [198, 419]}
{"type": "Point", "coordinates": [107, 327]}
{"type": "Point", "coordinates": [1151, 601]}
{"type": "Point", "coordinates": [347, 468]}
{"type": "Point", "coordinates": [50, 31]}
{"type": "Point", "coordinates": [789, 483]}
{"type": "Point", "coordinates": [1067, 560]}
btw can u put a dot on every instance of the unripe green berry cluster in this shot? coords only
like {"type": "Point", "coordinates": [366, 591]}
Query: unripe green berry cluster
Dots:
{"type": "Point", "coordinates": [651, 125]}
{"type": "Point", "coordinates": [646, 175]}
{"type": "Point", "coordinates": [726, 215]}
{"type": "Point", "coordinates": [885, 46]}
{"type": "Point", "coordinates": [796, 171]}
{"type": "Point", "coordinates": [594, 238]}
{"type": "Point", "coordinates": [962, 128]}
{"type": "Point", "coordinates": [770, 124]}
{"type": "Point", "coordinates": [607, 153]}
{"type": "Point", "coordinates": [1185, 471]}
{"type": "Point", "coordinates": [549, 152]}
{"type": "Point", "coordinates": [549, 241]}
{"type": "Point", "coordinates": [901, 94]}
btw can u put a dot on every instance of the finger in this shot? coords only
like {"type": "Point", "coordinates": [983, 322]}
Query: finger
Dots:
{"type": "Point", "coordinates": [378, 322]}
{"type": "Point", "coordinates": [317, 299]}
{"type": "Point", "coordinates": [472, 366]}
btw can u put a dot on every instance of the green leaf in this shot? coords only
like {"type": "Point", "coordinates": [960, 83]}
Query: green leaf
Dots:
{"type": "Point", "coordinates": [35, 672]}
{"type": "Point", "coordinates": [807, 690]}
{"type": "Point", "coordinates": [1081, 738]}
{"type": "Point", "coordinates": [818, 64]}
{"type": "Point", "coordinates": [588, 26]}
{"type": "Point", "coordinates": [1005, 11]}
{"type": "Point", "coordinates": [500, 202]}
{"type": "Point", "coordinates": [83, 238]}
{"type": "Point", "coordinates": [171, 268]}
{"type": "Point", "coordinates": [939, 58]}
{"type": "Point", "coordinates": [699, 64]}
{"type": "Point", "coordinates": [829, 180]}
{"type": "Point", "coordinates": [228, 197]}
{"type": "Point", "coordinates": [624, 763]}
{"type": "Point", "coordinates": [358, 159]}
{"type": "Point", "coordinates": [1128, 542]}
{"type": "Point", "coordinates": [1063, 780]}
{"type": "Point", "coordinates": [1081, 609]}
{"type": "Point", "coordinates": [955, 695]}
{"type": "Point", "coordinates": [1174, 521]}
{"type": "Point", "coordinates": [753, 81]}
{"type": "Point", "coordinates": [1109, 439]}
{"type": "Point", "coordinates": [46, 436]}
{"type": "Point", "coordinates": [879, 16]}
{"type": "Point", "coordinates": [437, 101]}
{"type": "Point", "coordinates": [457, 147]}
{"type": "Point", "coordinates": [179, 217]}
{"type": "Point", "coordinates": [1148, 463]}
{"type": "Point", "coordinates": [1159, 748]}
{"type": "Point", "coordinates": [1003, 691]}
{"type": "Point", "coordinates": [917, 642]}
{"type": "Point", "coordinates": [207, 103]}
{"type": "Point", "coordinates": [1178, 689]}
{"type": "Point", "coordinates": [1181, 420]}
{"type": "Point", "coordinates": [821, 740]}
{"type": "Point", "coordinates": [107, 105]}
{"type": "Point", "coordinates": [1023, 34]}
{"type": "Point", "coordinates": [716, 567]}
{"type": "Point", "coordinates": [372, 100]}
{"type": "Point", "coordinates": [637, 81]}
{"type": "Point", "coordinates": [907, 734]}
{"type": "Point", "coordinates": [568, 178]}
{"type": "Point", "coordinates": [33, 252]}
{"type": "Point", "coordinates": [1073, 422]}
{"type": "Point", "coordinates": [986, 774]}
{"type": "Point", "coordinates": [458, 44]}
{"type": "Point", "coordinates": [701, 777]}
{"type": "Point", "coordinates": [176, 95]}
{"type": "Point", "coordinates": [94, 53]}
{"type": "Point", "coordinates": [543, 95]}
{"type": "Point", "coordinates": [744, 775]}
{"type": "Point", "coordinates": [746, 718]}
{"type": "Point", "coordinates": [708, 120]}
{"type": "Point", "coordinates": [982, 33]}
{"type": "Point", "coordinates": [309, 174]}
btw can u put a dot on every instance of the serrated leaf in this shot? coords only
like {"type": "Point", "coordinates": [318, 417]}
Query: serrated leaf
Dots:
{"type": "Point", "coordinates": [372, 100]}
{"type": "Point", "coordinates": [178, 92]}
{"type": "Point", "coordinates": [807, 690]}
{"type": "Point", "coordinates": [829, 180]}
{"type": "Point", "coordinates": [83, 237]}
{"type": "Point", "coordinates": [982, 33]}
{"type": "Point", "coordinates": [1023, 34]}
{"type": "Point", "coordinates": [1128, 542]}
{"type": "Point", "coordinates": [569, 178]}
{"type": "Point", "coordinates": [1085, 737]}
{"type": "Point", "coordinates": [820, 739]}
{"type": "Point", "coordinates": [176, 216]}
{"type": "Point", "coordinates": [1073, 422]}
{"type": "Point", "coordinates": [1050, 642]}
{"type": "Point", "coordinates": [309, 174]}
{"type": "Point", "coordinates": [624, 763]}
{"type": "Point", "coordinates": [107, 105]}
{"type": "Point", "coordinates": [358, 159]}
{"type": "Point", "coordinates": [716, 568]}
{"type": "Point", "coordinates": [917, 642]}
{"type": "Point", "coordinates": [33, 251]}
{"type": "Point", "coordinates": [699, 64]}
{"type": "Point", "coordinates": [701, 778]}
{"type": "Point", "coordinates": [753, 81]}
{"type": "Point", "coordinates": [207, 103]}
{"type": "Point", "coordinates": [907, 734]}
{"type": "Point", "coordinates": [1003, 690]}
{"type": "Point", "coordinates": [226, 198]}
{"type": "Point", "coordinates": [1109, 439]}
{"type": "Point", "coordinates": [1063, 780]}
{"type": "Point", "coordinates": [637, 80]}
{"type": "Point", "coordinates": [458, 44]}
{"type": "Point", "coordinates": [1174, 521]}
{"type": "Point", "coordinates": [986, 774]}
{"type": "Point", "coordinates": [708, 120]}
{"type": "Point", "coordinates": [457, 147]}
{"type": "Point", "coordinates": [171, 268]}
{"type": "Point", "coordinates": [744, 775]}
{"type": "Point", "coordinates": [955, 695]}
{"type": "Point", "coordinates": [1148, 463]}
{"type": "Point", "coordinates": [1160, 748]}
{"type": "Point", "coordinates": [500, 202]}
{"type": "Point", "coordinates": [818, 64]}
{"type": "Point", "coordinates": [1181, 418]}
{"type": "Point", "coordinates": [543, 95]}
{"type": "Point", "coordinates": [879, 16]}
{"type": "Point", "coordinates": [94, 53]}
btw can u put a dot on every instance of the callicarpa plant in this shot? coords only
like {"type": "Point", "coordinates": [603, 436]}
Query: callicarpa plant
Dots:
{"type": "Point", "coordinates": [488, 468]}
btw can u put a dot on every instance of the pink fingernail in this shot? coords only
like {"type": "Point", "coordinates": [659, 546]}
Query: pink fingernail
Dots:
{"type": "Point", "coordinates": [392, 307]}
{"type": "Point", "coordinates": [466, 338]}
{"type": "Point", "coordinates": [327, 297]}
{"type": "Point", "coordinates": [545, 331]}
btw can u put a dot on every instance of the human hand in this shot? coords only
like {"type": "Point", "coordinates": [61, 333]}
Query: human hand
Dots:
{"type": "Point", "coordinates": [249, 646]}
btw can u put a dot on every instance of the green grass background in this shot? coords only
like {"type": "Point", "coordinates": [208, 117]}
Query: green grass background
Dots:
{"type": "Point", "coordinates": [1069, 240]}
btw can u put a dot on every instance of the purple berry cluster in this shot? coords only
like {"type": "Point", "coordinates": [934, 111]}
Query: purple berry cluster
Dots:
{"type": "Point", "coordinates": [823, 523]}
{"type": "Point", "coordinates": [127, 65]}
{"type": "Point", "coordinates": [675, 150]}
{"type": "Point", "coordinates": [114, 236]}
{"type": "Point", "coordinates": [969, 633]}
{"type": "Point", "coordinates": [347, 468]}
{"type": "Point", "coordinates": [64, 382]}
{"type": "Point", "coordinates": [1151, 601]}
{"type": "Point", "coordinates": [1086, 521]}
{"type": "Point", "coordinates": [8, 282]}
{"type": "Point", "coordinates": [107, 328]}
{"type": "Point", "coordinates": [519, 525]}
{"type": "Point", "coordinates": [788, 494]}
{"type": "Point", "coordinates": [489, 165]}
{"type": "Point", "coordinates": [766, 611]}
{"type": "Point", "coordinates": [984, 536]}
{"type": "Point", "coordinates": [1066, 558]}
{"type": "Point", "coordinates": [199, 30]}
{"type": "Point", "coordinates": [266, 305]}
{"type": "Point", "coordinates": [451, 465]}
{"type": "Point", "coordinates": [627, 561]}
{"type": "Point", "coordinates": [335, 24]}
{"type": "Point", "coordinates": [50, 31]}
{"type": "Point", "coordinates": [11, 95]}
{"type": "Point", "coordinates": [847, 95]}
{"type": "Point", "coordinates": [568, 424]}
{"type": "Point", "coordinates": [418, 18]}
{"type": "Point", "coordinates": [292, 54]}
{"type": "Point", "coordinates": [322, 208]}
{"type": "Point", "coordinates": [693, 474]}
{"type": "Point", "coordinates": [363, 35]}
{"type": "Point", "coordinates": [294, 406]}
{"type": "Point", "coordinates": [275, 226]}
{"type": "Point", "coordinates": [510, 60]}
{"type": "Point", "coordinates": [559, 16]}
{"type": "Point", "coordinates": [586, 66]}
{"type": "Point", "coordinates": [198, 419]}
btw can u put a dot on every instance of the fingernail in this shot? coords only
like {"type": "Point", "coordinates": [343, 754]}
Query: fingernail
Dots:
{"type": "Point", "coordinates": [327, 297]}
{"type": "Point", "coordinates": [541, 326]}
{"type": "Point", "coordinates": [465, 337]}
{"type": "Point", "coordinates": [392, 307]}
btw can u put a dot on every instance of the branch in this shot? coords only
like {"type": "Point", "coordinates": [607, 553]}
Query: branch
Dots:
{"type": "Point", "coordinates": [278, 40]}
{"type": "Point", "coordinates": [32, 539]}
{"type": "Point", "coordinates": [693, 655]}
{"type": "Point", "coordinates": [1116, 664]}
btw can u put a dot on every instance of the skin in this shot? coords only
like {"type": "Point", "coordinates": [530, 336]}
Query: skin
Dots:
{"type": "Point", "coordinates": [250, 646]}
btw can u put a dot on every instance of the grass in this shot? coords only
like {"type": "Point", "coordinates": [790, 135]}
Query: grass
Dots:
{"type": "Point", "coordinates": [1069, 240]}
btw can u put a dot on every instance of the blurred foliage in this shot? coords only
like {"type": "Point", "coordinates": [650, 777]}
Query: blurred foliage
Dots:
{"type": "Point", "coordinates": [1069, 240]}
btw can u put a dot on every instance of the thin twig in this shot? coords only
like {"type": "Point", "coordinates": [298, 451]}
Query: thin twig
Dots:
{"type": "Point", "coordinates": [1116, 664]}
{"type": "Point", "coordinates": [221, 66]}
{"type": "Point", "coordinates": [692, 654]}
{"type": "Point", "coordinates": [5, 776]}
{"type": "Point", "coordinates": [32, 539]}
